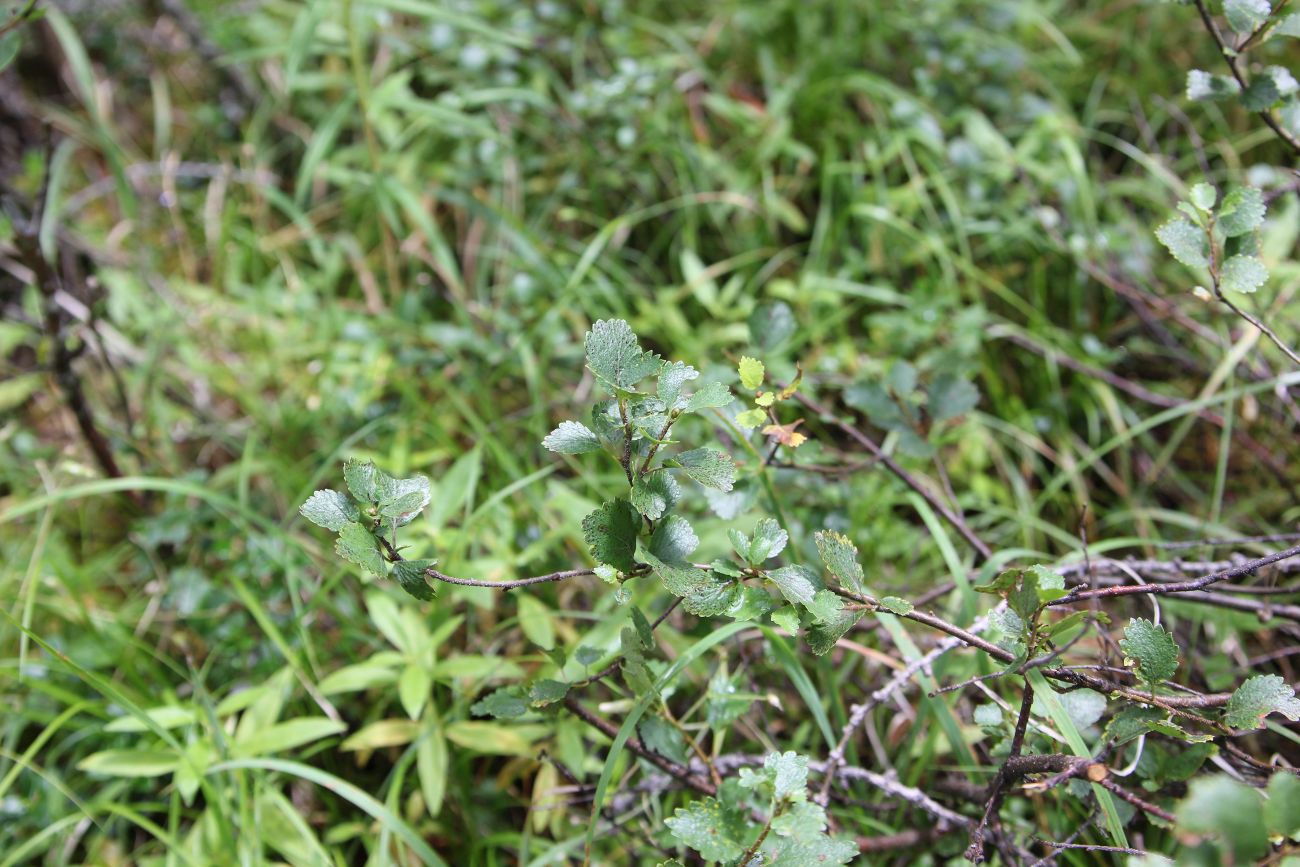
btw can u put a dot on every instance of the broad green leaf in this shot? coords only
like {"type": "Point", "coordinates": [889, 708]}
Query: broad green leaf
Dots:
{"type": "Point", "coordinates": [1131, 722]}
{"type": "Point", "coordinates": [799, 839]}
{"type": "Point", "coordinates": [663, 737]}
{"type": "Point", "coordinates": [616, 358]}
{"type": "Point", "coordinates": [1268, 87]}
{"type": "Point", "coordinates": [988, 715]}
{"type": "Point", "coordinates": [950, 397]}
{"type": "Point", "coordinates": [770, 325]}
{"type": "Point", "coordinates": [384, 733]}
{"type": "Point", "coordinates": [352, 678]}
{"type": "Point", "coordinates": [330, 509]}
{"type": "Point", "coordinates": [798, 584]}
{"type": "Point", "coordinates": [1246, 15]}
{"type": "Point", "coordinates": [358, 545]}
{"type": "Point", "coordinates": [401, 500]}
{"type": "Point", "coordinates": [786, 773]}
{"type": "Point", "coordinates": [536, 622]}
{"type": "Point", "coordinates": [1185, 242]}
{"type": "Point", "coordinates": [409, 574]}
{"type": "Point", "coordinates": [1258, 697]}
{"type": "Point", "coordinates": [822, 636]}
{"type": "Point", "coordinates": [547, 691]}
{"type": "Point", "coordinates": [572, 438]}
{"type": "Point", "coordinates": [432, 760]}
{"type": "Point", "coordinates": [768, 541]}
{"type": "Point", "coordinates": [1242, 211]}
{"type": "Point", "coordinates": [750, 418]}
{"type": "Point", "coordinates": [671, 379]}
{"type": "Point", "coordinates": [285, 736]}
{"type": "Point", "coordinates": [712, 396]}
{"type": "Point", "coordinates": [10, 44]}
{"type": "Point", "coordinates": [673, 540]}
{"type": "Point", "coordinates": [1203, 196]}
{"type": "Point", "coordinates": [710, 467]}
{"type": "Point", "coordinates": [1151, 649]}
{"type": "Point", "coordinates": [194, 763]}
{"type": "Point", "coordinates": [825, 607]}
{"type": "Point", "coordinates": [841, 558]}
{"type": "Point", "coordinates": [1282, 809]}
{"type": "Point", "coordinates": [611, 532]}
{"type": "Point", "coordinates": [751, 372]}
{"type": "Point", "coordinates": [414, 688]}
{"type": "Point", "coordinates": [1243, 274]}
{"type": "Point", "coordinates": [504, 703]}
{"type": "Point", "coordinates": [896, 605]}
{"type": "Point", "coordinates": [129, 763]}
{"type": "Point", "coordinates": [362, 478]}
{"type": "Point", "coordinates": [1289, 25]}
{"type": "Point", "coordinates": [702, 594]}
{"type": "Point", "coordinates": [717, 833]}
{"type": "Point", "coordinates": [1232, 811]}
{"type": "Point", "coordinates": [490, 738]}
{"type": "Point", "coordinates": [653, 494]}
{"type": "Point", "coordinates": [726, 701]}
{"type": "Point", "coordinates": [1203, 86]}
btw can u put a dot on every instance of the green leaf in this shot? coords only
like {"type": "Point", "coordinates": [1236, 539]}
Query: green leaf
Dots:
{"type": "Point", "coordinates": [1288, 26]}
{"type": "Point", "coordinates": [572, 438]}
{"type": "Point", "coordinates": [822, 636]}
{"type": "Point", "coordinates": [547, 691]}
{"type": "Point", "coordinates": [654, 494]}
{"type": "Point", "coordinates": [129, 763]}
{"type": "Point", "coordinates": [352, 678]}
{"type": "Point", "coordinates": [710, 467]}
{"type": "Point", "coordinates": [708, 828]}
{"type": "Point", "coordinates": [1258, 697]}
{"type": "Point", "coordinates": [504, 703]}
{"type": "Point", "coordinates": [402, 499]}
{"type": "Point", "coordinates": [769, 540]}
{"type": "Point", "coordinates": [362, 478]}
{"type": "Point", "coordinates": [787, 618]}
{"type": "Point", "coordinates": [702, 594]}
{"type": "Point", "coordinates": [330, 509]}
{"type": "Point", "coordinates": [1151, 649]}
{"type": "Point", "coordinates": [1246, 15]}
{"type": "Point", "coordinates": [751, 372]}
{"type": "Point", "coordinates": [771, 324]}
{"type": "Point", "coordinates": [799, 584]}
{"type": "Point", "coordinates": [286, 735]}
{"type": "Point", "coordinates": [825, 607]}
{"type": "Point", "coordinates": [1242, 211]}
{"type": "Point", "coordinates": [382, 733]}
{"type": "Point", "coordinates": [1203, 197]}
{"type": "Point", "coordinates": [750, 418]}
{"type": "Point", "coordinates": [414, 687]}
{"type": "Point", "coordinates": [611, 532]}
{"type": "Point", "coordinates": [358, 545]}
{"type": "Point", "coordinates": [662, 737]}
{"type": "Point", "coordinates": [950, 397]}
{"type": "Point", "coordinates": [1221, 806]}
{"type": "Point", "coordinates": [535, 620]}
{"type": "Point", "coordinates": [1132, 722]}
{"type": "Point", "coordinates": [1185, 242]}
{"type": "Point", "coordinates": [1203, 86]}
{"type": "Point", "coordinates": [1282, 809]}
{"type": "Point", "coordinates": [671, 379]}
{"type": "Point", "coordinates": [10, 44]}
{"type": "Point", "coordinates": [841, 558]}
{"type": "Point", "coordinates": [799, 839]}
{"type": "Point", "coordinates": [616, 358]}
{"type": "Point", "coordinates": [786, 773]}
{"type": "Point", "coordinates": [1269, 86]}
{"type": "Point", "coordinates": [988, 715]}
{"type": "Point", "coordinates": [673, 540]}
{"type": "Point", "coordinates": [896, 605]}
{"type": "Point", "coordinates": [409, 574]}
{"type": "Point", "coordinates": [1243, 274]}
{"type": "Point", "coordinates": [712, 396]}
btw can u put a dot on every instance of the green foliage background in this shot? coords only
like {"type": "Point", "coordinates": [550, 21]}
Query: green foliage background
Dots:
{"type": "Point", "coordinates": [391, 248]}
